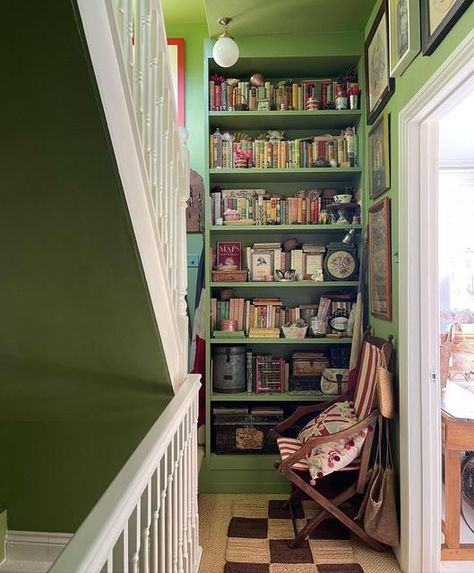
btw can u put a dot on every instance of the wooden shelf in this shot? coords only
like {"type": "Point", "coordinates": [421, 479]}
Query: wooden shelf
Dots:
{"type": "Point", "coordinates": [283, 228]}
{"type": "Point", "coordinates": [298, 119]}
{"type": "Point", "coordinates": [286, 284]}
{"type": "Point", "coordinates": [253, 174]}
{"type": "Point", "coordinates": [293, 341]}
{"type": "Point", "coordinates": [271, 397]}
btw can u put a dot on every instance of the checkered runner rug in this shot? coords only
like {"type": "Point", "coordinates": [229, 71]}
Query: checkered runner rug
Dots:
{"type": "Point", "coordinates": [259, 533]}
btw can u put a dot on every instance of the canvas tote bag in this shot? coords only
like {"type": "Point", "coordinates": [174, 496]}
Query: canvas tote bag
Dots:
{"type": "Point", "coordinates": [380, 516]}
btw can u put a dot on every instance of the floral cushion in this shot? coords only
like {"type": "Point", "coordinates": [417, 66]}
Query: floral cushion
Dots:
{"type": "Point", "coordinates": [336, 455]}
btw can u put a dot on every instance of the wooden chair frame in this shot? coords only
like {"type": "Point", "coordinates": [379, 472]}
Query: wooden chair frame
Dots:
{"type": "Point", "coordinates": [330, 507]}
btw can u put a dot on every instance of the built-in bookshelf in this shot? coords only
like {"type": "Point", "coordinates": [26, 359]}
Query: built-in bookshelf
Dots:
{"type": "Point", "coordinates": [287, 203]}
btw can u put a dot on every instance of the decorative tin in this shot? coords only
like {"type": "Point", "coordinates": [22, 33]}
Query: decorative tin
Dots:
{"type": "Point", "coordinates": [229, 369]}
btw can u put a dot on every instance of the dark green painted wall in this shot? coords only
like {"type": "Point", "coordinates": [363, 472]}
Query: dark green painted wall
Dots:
{"type": "Point", "coordinates": [82, 368]}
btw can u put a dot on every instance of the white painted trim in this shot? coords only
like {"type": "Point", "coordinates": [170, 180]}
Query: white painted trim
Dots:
{"type": "Point", "coordinates": [34, 545]}
{"type": "Point", "coordinates": [420, 463]}
{"type": "Point", "coordinates": [105, 52]}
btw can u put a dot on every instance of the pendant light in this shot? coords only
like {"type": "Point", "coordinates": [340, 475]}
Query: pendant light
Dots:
{"type": "Point", "coordinates": [225, 51]}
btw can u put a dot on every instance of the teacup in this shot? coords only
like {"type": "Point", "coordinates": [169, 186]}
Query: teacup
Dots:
{"type": "Point", "coordinates": [343, 198]}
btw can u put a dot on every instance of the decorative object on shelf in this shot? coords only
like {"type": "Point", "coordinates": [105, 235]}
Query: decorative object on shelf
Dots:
{"type": "Point", "coordinates": [343, 198]}
{"type": "Point", "coordinates": [227, 276]}
{"type": "Point", "coordinates": [380, 260]}
{"type": "Point", "coordinates": [195, 208]}
{"type": "Point", "coordinates": [404, 26]}
{"type": "Point", "coordinates": [340, 263]}
{"type": "Point", "coordinates": [295, 329]}
{"type": "Point", "coordinates": [339, 316]}
{"type": "Point", "coordinates": [341, 96]}
{"type": "Point", "coordinates": [225, 51]}
{"type": "Point", "coordinates": [228, 371]}
{"type": "Point", "coordinates": [379, 156]}
{"type": "Point", "coordinates": [437, 19]}
{"type": "Point", "coordinates": [379, 85]}
{"type": "Point", "coordinates": [334, 381]}
{"type": "Point", "coordinates": [288, 275]}
{"type": "Point", "coordinates": [308, 363]}
{"type": "Point", "coordinates": [257, 80]}
{"type": "Point", "coordinates": [353, 92]}
{"type": "Point", "coordinates": [312, 103]}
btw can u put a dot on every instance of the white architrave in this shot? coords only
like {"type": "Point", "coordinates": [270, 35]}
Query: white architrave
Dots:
{"type": "Point", "coordinates": [420, 436]}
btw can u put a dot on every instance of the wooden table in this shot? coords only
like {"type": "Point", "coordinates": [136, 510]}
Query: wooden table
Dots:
{"type": "Point", "coordinates": [457, 434]}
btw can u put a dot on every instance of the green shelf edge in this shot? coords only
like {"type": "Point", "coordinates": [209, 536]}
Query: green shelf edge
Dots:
{"type": "Point", "coordinates": [306, 341]}
{"type": "Point", "coordinates": [286, 284]}
{"type": "Point", "coordinates": [287, 171]}
{"type": "Point", "coordinates": [283, 397]}
{"type": "Point", "coordinates": [278, 228]}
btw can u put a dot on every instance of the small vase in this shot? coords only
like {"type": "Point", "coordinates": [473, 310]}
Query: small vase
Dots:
{"type": "Point", "coordinates": [354, 101]}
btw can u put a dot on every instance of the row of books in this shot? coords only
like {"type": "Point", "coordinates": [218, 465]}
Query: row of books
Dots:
{"type": "Point", "coordinates": [256, 313]}
{"type": "Point", "coordinates": [266, 209]}
{"type": "Point", "coordinates": [337, 150]}
{"type": "Point", "coordinates": [227, 96]}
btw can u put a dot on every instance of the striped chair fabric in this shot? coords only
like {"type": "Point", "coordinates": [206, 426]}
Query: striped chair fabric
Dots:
{"type": "Point", "coordinates": [364, 393]}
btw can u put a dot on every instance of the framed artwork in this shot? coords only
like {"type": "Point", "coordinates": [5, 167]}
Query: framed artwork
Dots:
{"type": "Point", "coordinates": [379, 86]}
{"type": "Point", "coordinates": [437, 18]}
{"type": "Point", "coordinates": [380, 260]}
{"type": "Point", "coordinates": [404, 27]}
{"type": "Point", "coordinates": [379, 156]}
{"type": "Point", "coordinates": [261, 265]}
{"type": "Point", "coordinates": [176, 55]}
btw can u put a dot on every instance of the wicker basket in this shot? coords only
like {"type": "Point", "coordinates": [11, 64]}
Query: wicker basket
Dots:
{"type": "Point", "coordinates": [245, 434]}
{"type": "Point", "coordinates": [230, 276]}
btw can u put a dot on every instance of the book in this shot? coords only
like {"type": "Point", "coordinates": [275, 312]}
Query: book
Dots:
{"type": "Point", "coordinates": [229, 254]}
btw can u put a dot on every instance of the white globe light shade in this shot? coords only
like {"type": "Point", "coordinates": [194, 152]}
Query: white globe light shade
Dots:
{"type": "Point", "coordinates": [225, 52]}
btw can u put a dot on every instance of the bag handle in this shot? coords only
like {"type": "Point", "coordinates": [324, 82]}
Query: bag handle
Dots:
{"type": "Point", "coordinates": [388, 452]}
{"type": "Point", "coordinates": [378, 452]}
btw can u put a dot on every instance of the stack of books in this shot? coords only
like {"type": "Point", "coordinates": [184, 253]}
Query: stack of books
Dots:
{"type": "Point", "coordinates": [227, 96]}
{"type": "Point", "coordinates": [340, 150]}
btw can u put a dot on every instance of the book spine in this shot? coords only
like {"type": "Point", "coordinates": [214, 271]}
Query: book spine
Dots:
{"type": "Point", "coordinates": [211, 96]}
{"type": "Point", "coordinates": [249, 373]}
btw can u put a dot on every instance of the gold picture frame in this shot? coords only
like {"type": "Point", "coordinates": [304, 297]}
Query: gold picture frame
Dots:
{"type": "Point", "coordinates": [380, 260]}
{"type": "Point", "coordinates": [404, 31]}
{"type": "Point", "coordinates": [379, 86]}
{"type": "Point", "coordinates": [379, 156]}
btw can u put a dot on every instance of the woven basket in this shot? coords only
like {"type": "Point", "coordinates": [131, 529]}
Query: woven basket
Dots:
{"type": "Point", "coordinates": [385, 391]}
{"type": "Point", "coordinates": [229, 276]}
{"type": "Point", "coordinates": [294, 331]}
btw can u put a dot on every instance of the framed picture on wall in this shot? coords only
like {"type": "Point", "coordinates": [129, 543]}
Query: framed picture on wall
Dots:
{"type": "Point", "coordinates": [380, 260]}
{"type": "Point", "coordinates": [176, 54]}
{"type": "Point", "coordinates": [379, 156]}
{"type": "Point", "coordinates": [404, 28]}
{"type": "Point", "coordinates": [437, 18]}
{"type": "Point", "coordinates": [379, 86]}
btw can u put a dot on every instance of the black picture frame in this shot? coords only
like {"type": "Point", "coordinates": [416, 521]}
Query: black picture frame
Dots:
{"type": "Point", "coordinates": [431, 39]}
{"type": "Point", "coordinates": [387, 84]}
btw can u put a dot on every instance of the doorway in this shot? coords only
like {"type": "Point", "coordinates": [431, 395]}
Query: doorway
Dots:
{"type": "Point", "coordinates": [420, 404]}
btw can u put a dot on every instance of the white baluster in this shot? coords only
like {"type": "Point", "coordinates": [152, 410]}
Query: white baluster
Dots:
{"type": "Point", "coordinates": [163, 515]}
{"type": "Point", "coordinates": [155, 507]}
{"type": "Point", "coordinates": [145, 523]}
{"type": "Point", "coordinates": [169, 510]}
{"type": "Point", "coordinates": [185, 495]}
{"type": "Point", "coordinates": [195, 484]}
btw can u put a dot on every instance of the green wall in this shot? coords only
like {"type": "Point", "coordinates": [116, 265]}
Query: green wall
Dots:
{"type": "Point", "coordinates": [406, 86]}
{"type": "Point", "coordinates": [81, 362]}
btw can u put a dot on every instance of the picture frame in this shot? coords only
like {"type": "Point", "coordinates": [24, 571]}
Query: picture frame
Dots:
{"type": "Point", "coordinates": [380, 260]}
{"type": "Point", "coordinates": [176, 55]}
{"type": "Point", "coordinates": [379, 86]}
{"type": "Point", "coordinates": [261, 265]}
{"type": "Point", "coordinates": [379, 156]}
{"type": "Point", "coordinates": [404, 30]}
{"type": "Point", "coordinates": [437, 19]}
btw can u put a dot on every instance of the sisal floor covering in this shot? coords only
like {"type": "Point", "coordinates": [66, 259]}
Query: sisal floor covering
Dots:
{"type": "Point", "coordinates": [215, 517]}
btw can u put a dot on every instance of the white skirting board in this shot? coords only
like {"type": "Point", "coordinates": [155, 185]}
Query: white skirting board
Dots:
{"type": "Point", "coordinates": [34, 545]}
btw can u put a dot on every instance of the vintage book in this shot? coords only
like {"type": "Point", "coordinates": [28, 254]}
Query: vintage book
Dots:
{"type": "Point", "coordinates": [261, 265]}
{"type": "Point", "coordinates": [228, 254]}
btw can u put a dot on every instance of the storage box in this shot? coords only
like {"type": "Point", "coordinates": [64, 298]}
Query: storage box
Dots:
{"type": "Point", "coordinates": [245, 433]}
{"type": "Point", "coordinates": [229, 276]}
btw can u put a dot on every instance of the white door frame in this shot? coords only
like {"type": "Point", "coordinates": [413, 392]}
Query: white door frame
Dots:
{"type": "Point", "coordinates": [420, 437]}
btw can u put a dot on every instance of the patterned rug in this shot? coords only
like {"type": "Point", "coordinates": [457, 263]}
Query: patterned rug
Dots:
{"type": "Point", "coordinates": [259, 533]}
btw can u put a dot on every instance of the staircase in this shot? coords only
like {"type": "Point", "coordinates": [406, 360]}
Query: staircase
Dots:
{"type": "Point", "coordinates": [147, 520]}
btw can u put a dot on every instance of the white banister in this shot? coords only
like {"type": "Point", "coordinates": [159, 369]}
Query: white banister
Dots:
{"type": "Point", "coordinates": [129, 53]}
{"type": "Point", "coordinates": [141, 523]}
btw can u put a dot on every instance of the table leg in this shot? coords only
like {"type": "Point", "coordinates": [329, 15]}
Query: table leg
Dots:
{"type": "Point", "coordinates": [452, 479]}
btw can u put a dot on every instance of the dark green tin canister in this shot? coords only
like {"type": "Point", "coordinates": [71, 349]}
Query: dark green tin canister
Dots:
{"type": "Point", "coordinates": [229, 369]}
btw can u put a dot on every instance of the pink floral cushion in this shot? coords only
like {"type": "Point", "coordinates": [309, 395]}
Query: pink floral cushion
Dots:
{"type": "Point", "coordinates": [336, 455]}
